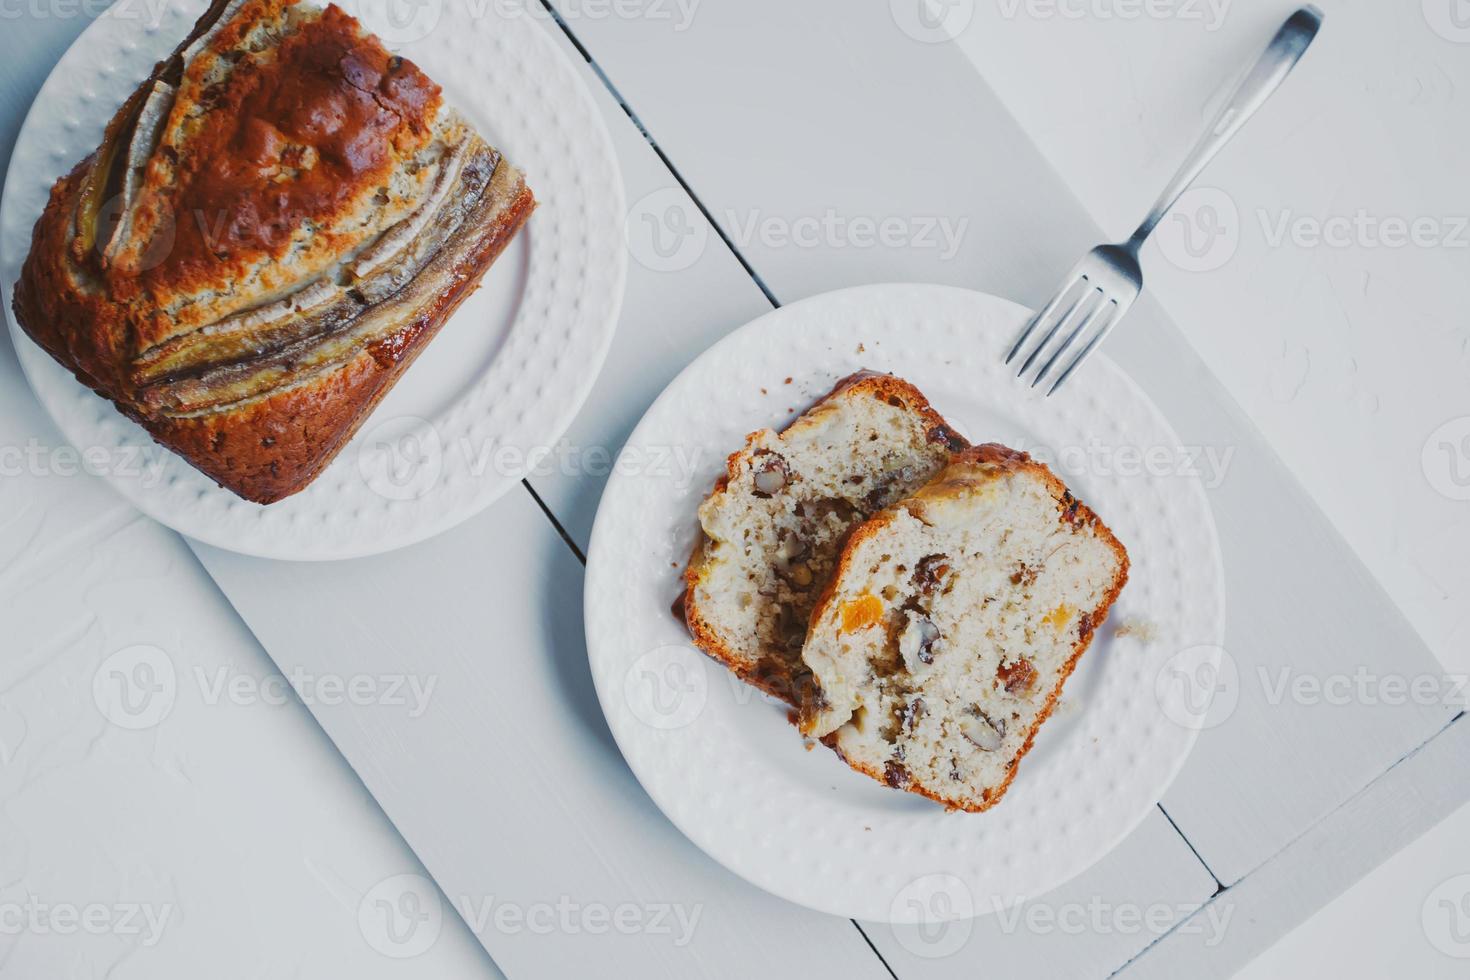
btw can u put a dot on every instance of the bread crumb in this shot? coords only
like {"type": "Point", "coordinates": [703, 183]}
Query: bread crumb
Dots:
{"type": "Point", "coordinates": [861, 349]}
{"type": "Point", "coordinates": [787, 381]}
{"type": "Point", "coordinates": [763, 391]}
{"type": "Point", "coordinates": [1145, 631]}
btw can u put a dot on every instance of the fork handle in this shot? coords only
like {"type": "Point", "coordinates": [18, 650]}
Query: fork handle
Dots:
{"type": "Point", "coordinates": [1275, 63]}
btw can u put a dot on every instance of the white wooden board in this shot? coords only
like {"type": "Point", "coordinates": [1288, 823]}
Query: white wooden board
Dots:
{"type": "Point", "coordinates": [436, 777]}
{"type": "Point", "coordinates": [1086, 929]}
{"type": "Point", "coordinates": [738, 125]}
{"type": "Point", "coordinates": [938, 146]}
{"type": "Point", "coordinates": [1398, 807]}
{"type": "Point", "coordinates": [508, 785]}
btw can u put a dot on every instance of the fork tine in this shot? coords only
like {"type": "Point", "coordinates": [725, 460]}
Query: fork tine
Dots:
{"type": "Point", "coordinates": [1036, 321]}
{"type": "Point", "coordinates": [1106, 306]}
{"type": "Point", "coordinates": [1092, 344]}
{"type": "Point", "coordinates": [1075, 309]}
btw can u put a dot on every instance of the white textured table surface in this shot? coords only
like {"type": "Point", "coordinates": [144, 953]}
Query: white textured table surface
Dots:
{"type": "Point", "coordinates": [230, 820]}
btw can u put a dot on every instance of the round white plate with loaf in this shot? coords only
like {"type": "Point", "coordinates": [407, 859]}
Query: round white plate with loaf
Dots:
{"type": "Point", "coordinates": [500, 382]}
{"type": "Point", "coordinates": [723, 760]}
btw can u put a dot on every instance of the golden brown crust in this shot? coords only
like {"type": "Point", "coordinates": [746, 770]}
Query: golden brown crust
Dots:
{"type": "Point", "coordinates": [304, 136]}
{"type": "Point", "coordinates": [275, 447]}
{"type": "Point", "coordinates": [1069, 510]}
{"type": "Point", "coordinates": [746, 664]}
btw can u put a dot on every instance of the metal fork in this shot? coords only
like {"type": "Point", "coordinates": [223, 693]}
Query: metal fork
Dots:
{"type": "Point", "coordinates": [1102, 287]}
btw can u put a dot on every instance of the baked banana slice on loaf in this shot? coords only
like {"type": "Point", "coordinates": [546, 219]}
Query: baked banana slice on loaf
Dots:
{"type": "Point", "coordinates": [951, 623]}
{"type": "Point", "coordinates": [276, 223]}
{"type": "Point", "coordinates": [776, 521]}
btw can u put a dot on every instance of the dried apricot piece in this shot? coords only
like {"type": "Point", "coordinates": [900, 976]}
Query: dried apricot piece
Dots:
{"type": "Point", "coordinates": [860, 613]}
{"type": "Point", "coordinates": [1059, 617]}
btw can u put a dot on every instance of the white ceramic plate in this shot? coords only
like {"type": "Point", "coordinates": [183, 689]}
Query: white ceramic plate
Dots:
{"type": "Point", "coordinates": [724, 763]}
{"type": "Point", "coordinates": [501, 381]}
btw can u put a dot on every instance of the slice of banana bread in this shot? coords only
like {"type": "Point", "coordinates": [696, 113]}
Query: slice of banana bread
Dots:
{"type": "Point", "coordinates": [774, 524]}
{"type": "Point", "coordinates": [951, 623]}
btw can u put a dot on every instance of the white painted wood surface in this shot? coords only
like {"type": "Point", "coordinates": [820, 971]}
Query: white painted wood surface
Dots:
{"type": "Point", "coordinates": [569, 823]}
{"type": "Point", "coordinates": [509, 786]}
{"type": "Point", "coordinates": [212, 824]}
{"type": "Point", "coordinates": [1399, 806]}
{"type": "Point", "coordinates": [1088, 928]}
{"type": "Point", "coordinates": [600, 838]}
{"type": "Point", "coordinates": [1339, 340]}
{"type": "Point", "coordinates": [941, 146]}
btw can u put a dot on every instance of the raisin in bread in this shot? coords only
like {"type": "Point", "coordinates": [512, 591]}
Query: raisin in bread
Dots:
{"type": "Point", "coordinates": [775, 523]}
{"type": "Point", "coordinates": [952, 622]}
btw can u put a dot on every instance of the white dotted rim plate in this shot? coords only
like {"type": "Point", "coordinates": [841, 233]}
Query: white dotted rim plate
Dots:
{"type": "Point", "coordinates": [479, 405]}
{"type": "Point", "coordinates": [724, 763]}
